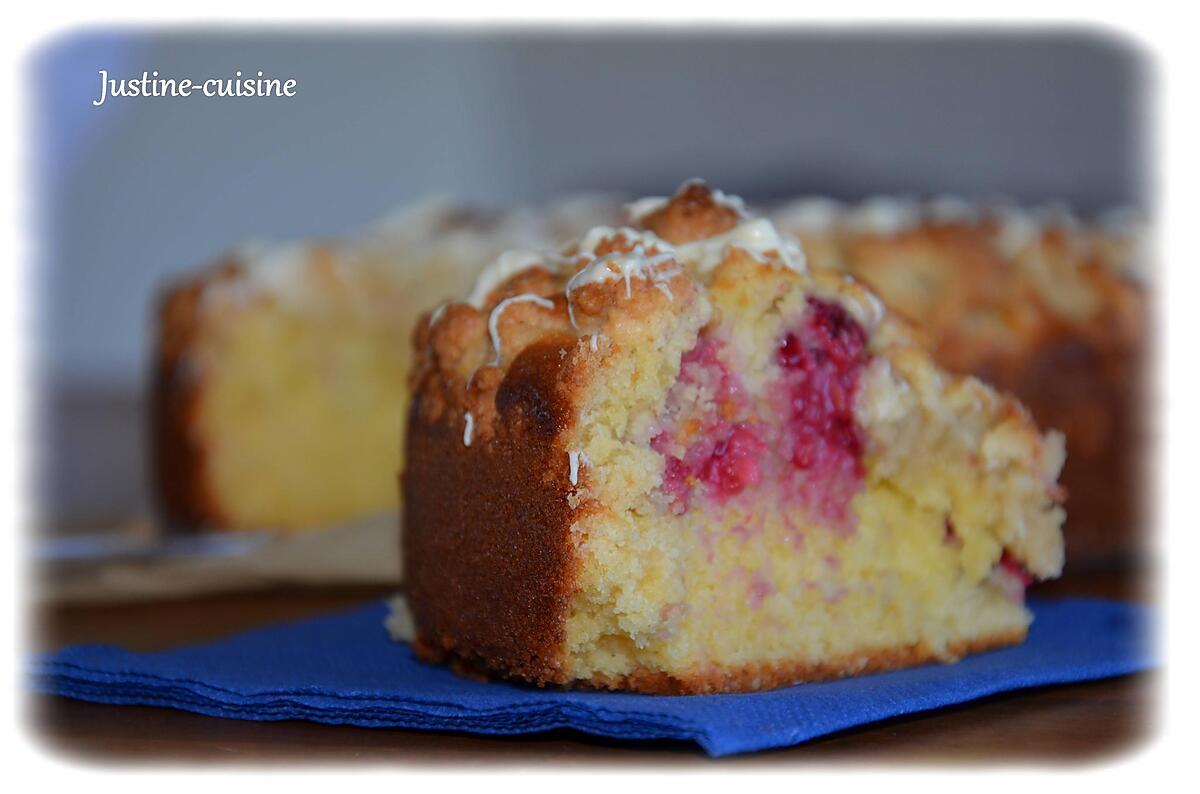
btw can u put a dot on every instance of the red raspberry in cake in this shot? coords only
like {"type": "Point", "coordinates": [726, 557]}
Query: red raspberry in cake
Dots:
{"type": "Point", "coordinates": [1013, 567]}
{"type": "Point", "coordinates": [822, 362]}
{"type": "Point", "coordinates": [701, 443]}
{"type": "Point", "coordinates": [1011, 577]}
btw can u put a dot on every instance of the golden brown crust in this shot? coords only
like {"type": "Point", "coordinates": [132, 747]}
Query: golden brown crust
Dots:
{"type": "Point", "coordinates": [181, 489]}
{"type": "Point", "coordinates": [692, 214]}
{"type": "Point", "coordinates": [750, 678]}
{"type": "Point", "coordinates": [488, 580]}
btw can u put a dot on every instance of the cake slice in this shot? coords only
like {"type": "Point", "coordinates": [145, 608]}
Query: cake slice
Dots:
{"type": "Point", "coordinates": [279, 382]}
{"type": "Point", "coordinates": [671, 459]}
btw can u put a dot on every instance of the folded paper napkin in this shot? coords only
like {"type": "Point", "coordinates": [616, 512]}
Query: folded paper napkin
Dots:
{"type": "Point", "coordinates": [344, 669]}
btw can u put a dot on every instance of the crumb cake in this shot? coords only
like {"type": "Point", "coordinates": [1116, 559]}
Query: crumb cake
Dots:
{"type": "Point", "coordinates": [279, 374]}
{"type": "Point", "coordinates": [1033, 301]}
{"type": "Point", "coordinates": [672, 458]}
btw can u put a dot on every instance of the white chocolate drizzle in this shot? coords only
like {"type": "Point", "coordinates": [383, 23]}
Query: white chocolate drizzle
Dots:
{"type": "Point", "coordinates": [399, 622]}
{"type": "Point", "coordinates": [623, 265]}
{"type": "Point", "coordinates": [620, 265]}
{"type": "Point", "coordinates": [636, 210]}
{"type": "Point", "coordinates": [494, 317]}
{"type": "Point", "coordinates": [574, 459]}
{"type": "Point", "coordinates": [728, 201]}
{"type": "Point", "coordinates": [468, 429]}
{"type": "Point", "coordinates": [759, 237]}
{"type": "Point", "coordinates": [598, 234]}
{"type": "Point", "coordinates": [863, 304]}
{"type": "Point", "coordinates": [501, 269]}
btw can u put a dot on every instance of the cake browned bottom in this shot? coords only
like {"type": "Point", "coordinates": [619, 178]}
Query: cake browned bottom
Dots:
{"type": "Point", "coordinates": [750, 678]}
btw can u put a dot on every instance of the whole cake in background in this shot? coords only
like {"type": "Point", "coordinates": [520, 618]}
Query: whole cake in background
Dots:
{"type": "Point", "coordinates": [279, 373]}
{"type": "Point", "coordinates": [674, 458]}
{"type": "Point", "coordinates": [1032, 301]}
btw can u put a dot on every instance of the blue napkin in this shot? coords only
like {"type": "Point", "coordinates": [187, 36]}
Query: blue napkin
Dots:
{"type": "Point", "coordinates": [344, 669]}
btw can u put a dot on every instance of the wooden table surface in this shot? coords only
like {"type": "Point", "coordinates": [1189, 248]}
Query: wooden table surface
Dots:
{"type": "Point", "coordinates": [1075, 723]}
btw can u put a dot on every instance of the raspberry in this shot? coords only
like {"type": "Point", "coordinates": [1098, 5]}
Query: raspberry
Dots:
{"type": "Point", "coordinates": [1013, 567]}
{"type": "Point", "coordinates": [733, 463]}
{"type": "Point", "coordinates": [823, 361]}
